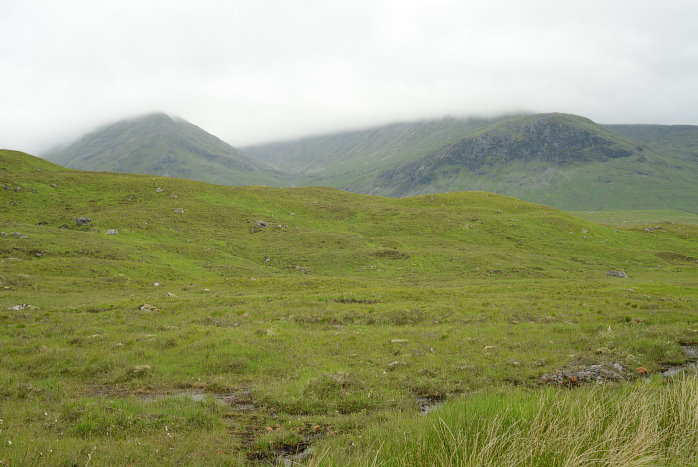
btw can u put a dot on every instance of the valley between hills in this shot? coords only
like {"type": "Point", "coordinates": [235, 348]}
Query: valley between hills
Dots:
{"type": "Point", "coordinates": [153, 318]}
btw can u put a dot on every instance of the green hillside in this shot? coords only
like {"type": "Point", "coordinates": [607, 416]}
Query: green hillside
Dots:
{"type": "Point", "coordinates": [190, 323]}
{"type": "Point", "coordinates": [161, 145]}
{"type": "Point", "coordinates": [346, 160]}
{"type": "Point", "coordinates": [556, 159]}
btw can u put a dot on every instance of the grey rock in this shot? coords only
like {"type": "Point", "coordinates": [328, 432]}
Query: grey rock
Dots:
{"type": "Point", "coordinates": [620, 274]}
{"type": "Point", "coordinates": [112, 232]}
{"type": "Point", "coordinates": [260, 224]}
{"type": "Point", "coordinates": [576, 375]}
{"type": "Point", "coordinates": [159, 190]}
{"type": "Point", "coordinates": [178, 211]}
{"type": "Point", "coordinates": [80, 221]}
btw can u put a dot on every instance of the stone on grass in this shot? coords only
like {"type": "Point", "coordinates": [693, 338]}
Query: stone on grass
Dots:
{"type": "Point", "coordinates": [112, 232]}
{"type": "Point", "coordinates": [80, 221]}
{"type": "Point", "coordinates": [178, 211]}
{"type": "Point", "coordinates": [147, 307]}
{"type": "Point", "coordinates": [398, 341]}
{"type": "Point", "coordinates": [260, 224]}
{"type": "Point", "coordinates": [620, 274]}
{"type": "Point", "coordinates": [580, 374]}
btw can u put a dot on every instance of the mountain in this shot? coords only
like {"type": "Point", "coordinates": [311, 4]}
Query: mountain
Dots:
{"type": "Point", "coordinates": [562, 160]}
{"type": "Point", "coordinates": [677, 138]}
{"type": "Point", "coordinates": [346, 160]}
{"type": "Point", "coordinates": [162, 145]}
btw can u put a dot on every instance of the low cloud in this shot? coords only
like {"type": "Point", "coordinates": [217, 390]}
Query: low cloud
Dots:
{"type": "Point", "coordinates": [257, 71]}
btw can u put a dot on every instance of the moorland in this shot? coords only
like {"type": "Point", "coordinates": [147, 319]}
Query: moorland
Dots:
{"type": "Point", "coordinates": [154, 320]}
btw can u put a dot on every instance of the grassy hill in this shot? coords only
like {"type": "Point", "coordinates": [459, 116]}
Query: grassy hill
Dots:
{"type": "Point", "coordinates": [232, 325]}
{"type": "Point", "coordinates": [162, 145]}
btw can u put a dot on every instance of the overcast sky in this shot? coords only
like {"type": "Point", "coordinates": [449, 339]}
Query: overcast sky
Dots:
{"type": "Point", "coordinates": [260, 70]}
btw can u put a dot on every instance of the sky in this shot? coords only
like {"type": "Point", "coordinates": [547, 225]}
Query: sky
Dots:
{"type": "Point", "coordinates": [263, 70]}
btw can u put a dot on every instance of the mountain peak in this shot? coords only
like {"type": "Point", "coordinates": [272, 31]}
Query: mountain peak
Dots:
{"type": "Point", "coordinates": [160, 144]}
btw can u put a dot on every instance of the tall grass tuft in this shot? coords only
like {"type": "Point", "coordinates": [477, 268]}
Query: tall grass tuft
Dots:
{"type": "Point", "coordinates": [645, 423]}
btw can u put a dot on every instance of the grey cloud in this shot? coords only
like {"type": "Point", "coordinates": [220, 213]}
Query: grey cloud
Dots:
{"type": "Point", "coordinates": [254, 71]}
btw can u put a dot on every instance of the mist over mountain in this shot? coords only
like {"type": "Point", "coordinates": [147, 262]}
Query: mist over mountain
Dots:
{"type": "Point", "coordinates": [162, 145]}
{"type": "Point", "coordinates": [562, 160]}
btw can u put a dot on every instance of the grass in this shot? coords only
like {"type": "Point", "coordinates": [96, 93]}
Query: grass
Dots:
{"type": "Point", "coordinates": [645, 423]}
{"type": "Point", "coordinates": [365, 305]}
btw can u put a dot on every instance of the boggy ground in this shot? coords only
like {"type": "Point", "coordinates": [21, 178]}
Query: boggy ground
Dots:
{"type": "Point", "coordinates": [259, 341]}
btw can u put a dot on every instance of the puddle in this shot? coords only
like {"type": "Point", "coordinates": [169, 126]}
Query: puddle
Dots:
{"type": "Point", "coordinates": [691, 352]}
{"type": "Point", "coordinates": [427, 405]}
{"type": "Point", "coordinates": [288, 459]}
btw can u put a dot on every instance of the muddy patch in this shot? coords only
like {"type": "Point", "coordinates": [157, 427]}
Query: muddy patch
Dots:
{"type": "Point", "coordinates": [429, 404]}
{"type": "Point", "coordinates": [284, 454]}
{"type": "Point", "coordinates": [691, 363]}
{"type": "Point", "coordinates": [293, 455]}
